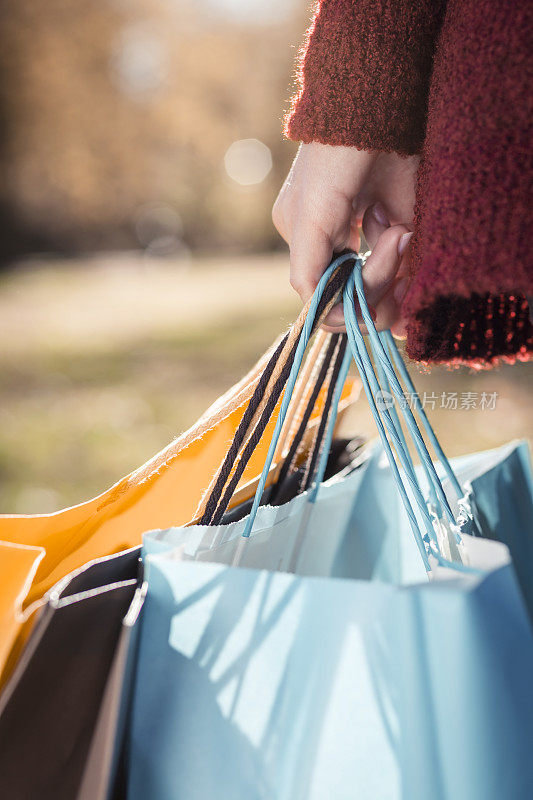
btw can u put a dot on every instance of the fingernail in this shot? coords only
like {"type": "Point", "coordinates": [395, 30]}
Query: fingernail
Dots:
{"type": "Point", "coordinates": [403, 243]}
{"type": "Point", "coordinates": [400, 290]}
{"type": "Point", "coordinates": [379, 213]}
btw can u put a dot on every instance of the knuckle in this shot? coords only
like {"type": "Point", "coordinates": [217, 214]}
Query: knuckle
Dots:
{"type": "Point", "coordinates": [392, 234]}
{"type": "Point", "coordinates": [298, 284]}
{"type": "Point", "coordinates": [295, 282]}
{"type": "Point", "coordinates": [279, 216]}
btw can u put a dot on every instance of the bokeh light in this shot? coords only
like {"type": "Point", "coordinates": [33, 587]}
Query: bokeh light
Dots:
{"type": "Point", "coordinates": [260, 12]}
{"type": "Point", "coordinates": [139, 61]}
{"type": "Point", "coordinates": [248, 161]}
{"type": "Point", "coordinates": [159, 229]}
{"type": "Point", "coordinates": [142, 272]}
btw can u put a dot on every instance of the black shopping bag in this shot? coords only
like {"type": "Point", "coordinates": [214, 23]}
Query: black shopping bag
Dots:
{"type": "Point", "coordinates": [61, 710]}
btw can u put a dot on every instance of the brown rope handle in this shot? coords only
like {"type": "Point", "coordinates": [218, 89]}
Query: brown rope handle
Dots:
{"type": "Point", "coordinates": [309, 375]}
{"type": "Point", "coordinates": [315, 447]}
{"type": "Point", "coordinates": [252, 443]}
{"type": "Point", "coordinates": [319, 440]}
{"type": "Point", "coordinates": [216, 485]}
{"type": "Point", "coordinates": [318, 431]}
{"type": "Point", "coordinates": [314, 360]}
{"type": "Point", "coordinates": [304, 387]}
{"type": "Point", "coordinates": [255, 408]}
{"type": "Point", "coordinates": [225, 477]}
{"type": "Point", "coordinates": [294, 449]}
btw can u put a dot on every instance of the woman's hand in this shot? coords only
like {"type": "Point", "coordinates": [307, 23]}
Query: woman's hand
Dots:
{"type": "Point", "coordinates": [327, 194]}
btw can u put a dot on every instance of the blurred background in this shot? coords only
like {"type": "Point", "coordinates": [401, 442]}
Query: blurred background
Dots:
{"type": "Point", "coordinates": [141, 152]}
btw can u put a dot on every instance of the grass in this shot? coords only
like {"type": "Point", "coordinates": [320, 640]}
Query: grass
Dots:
{"type": "Point", "coordinates": [103, 361]}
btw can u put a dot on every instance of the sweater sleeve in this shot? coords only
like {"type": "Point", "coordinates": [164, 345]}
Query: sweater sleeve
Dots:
{"type": "Point", "coordinates": [364, 73]}
{"type": "Point", "coordinates": [472, 268]}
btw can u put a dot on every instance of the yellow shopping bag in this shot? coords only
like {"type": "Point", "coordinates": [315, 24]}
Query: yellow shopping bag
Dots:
{"type": "Point", "coordinates": [38, 550]}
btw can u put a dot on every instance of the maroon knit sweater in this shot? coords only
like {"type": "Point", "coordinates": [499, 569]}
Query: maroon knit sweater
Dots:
{"type": "Point", "coordinates": [449, 79]}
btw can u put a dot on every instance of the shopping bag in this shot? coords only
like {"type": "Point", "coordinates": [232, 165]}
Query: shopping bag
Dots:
{"type": "Point", "coordinates": [354, 642]}
{"type": "Point", "coordinates": [103, 774]}
{"type": "Point", "coordinates": [37, 551]}
{"type": "Point", "coordinates": [256, 684]}
{"type": "Point", "coordinates": [18, 565]}
{"type": "Point", "coordinates": [62, 705]}
{"type": "Point", "coordinates": [502, 497]}
{"type": "Point", "coordinates": [368, 534]}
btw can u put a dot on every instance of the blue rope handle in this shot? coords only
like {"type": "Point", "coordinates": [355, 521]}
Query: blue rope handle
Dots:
{"type": "Point", "coordinates": [289, 388]}
{"type": "Point", "coordinates": [380, 353]}
{"type": "Point", "coordinates": [388, 338]}
{"type": "Point", "coordinates": [390, 422]}
{"type": "Point", "coordinates": [302, 344]}
{"type": "Point", "coordinates": [328, 438]}
{"type": "Point", "coordinates": [350, 318]}
{"type": "Point", "coordinates": [384, 381]}
{"type": "Point", "coordinates": [371, 387]}
{"type": "Point", "coordinates": [362, 358]}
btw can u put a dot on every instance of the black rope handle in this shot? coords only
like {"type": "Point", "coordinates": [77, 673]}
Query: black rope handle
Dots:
{"type": "Point", "coordinates": [214, 511]}
{"type": "Point", "coordinates": [288, 464]}
{"type": "Point", "coordinates": [240, 434]}
{"type": "Point", "coordinates": [315, 448]}
{"type": "Point", "coordinates": [326, 413]}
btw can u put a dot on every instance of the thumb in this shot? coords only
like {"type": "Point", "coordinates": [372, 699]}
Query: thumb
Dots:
{"type": "Point", "coordinates": [383, 264]}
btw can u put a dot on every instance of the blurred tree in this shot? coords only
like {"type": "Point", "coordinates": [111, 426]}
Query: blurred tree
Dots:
{"type": "Point", "coordinates": [116, 116]}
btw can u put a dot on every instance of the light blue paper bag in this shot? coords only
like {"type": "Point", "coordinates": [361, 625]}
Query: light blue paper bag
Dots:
{"type": "Point", "coordinates": [354, 643]}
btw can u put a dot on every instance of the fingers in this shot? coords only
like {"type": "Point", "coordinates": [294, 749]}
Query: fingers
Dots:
{"type": "Point", "coordinates": [385, 266]}
{"type": "Point", "coordinates": [314, 210]}
{"type": "Point", "coordinates": [392, 182]}
{"type": "Point", "coordinates": [394, 257]}
{"type": "Point", "coordinates": [375, 222]}
{"type": "Point", "coordinates": [311, 250]}
{"type": "Point", "coordinates": [383, 263]}
{"type": "Point", "coordinates": [316, 213]}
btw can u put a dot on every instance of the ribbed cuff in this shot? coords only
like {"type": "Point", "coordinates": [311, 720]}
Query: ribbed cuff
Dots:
{"type": "Point", "coordinates": [480, 330]}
